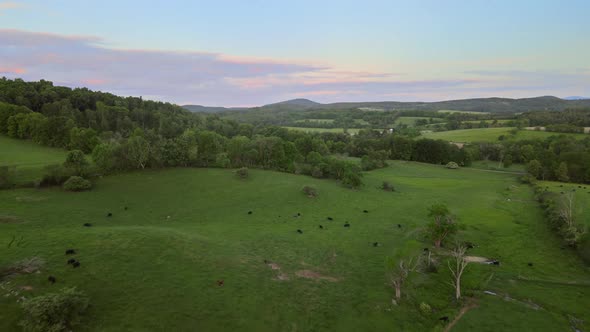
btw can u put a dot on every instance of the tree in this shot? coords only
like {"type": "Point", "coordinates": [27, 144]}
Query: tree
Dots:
{"type": "Point", "coordinates": [443, 224]}
{"type": "Point", "coordinates": [398, 273]}
{"type": "Point", "coordinates": [76, 183]}
{"type": "Point", "coordinates": [534, 168]}
{"type": "Point", "coordinates": [76, 161]}
{"type": "Point", "coordinates": [457, 267]}
{"type": "Point", "coordinates": [572, 232]}
{"type": "Point", "coordinates": [103, 156]}
{"type": "Point", "coordinates": [138, 151]}
{"type": "Point", "coordinates": [561, 173]}
{"type": "Point", "coordinates": [351, 178]}
{"type": "Point", "coordinates": [54, 312]}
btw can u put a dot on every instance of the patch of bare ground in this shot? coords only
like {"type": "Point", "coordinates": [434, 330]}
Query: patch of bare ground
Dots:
{"type": "Point", "coordinates": [26, 266]}
{"type": "Point", "coordinates": [9, 220]}
{"type": "Point", "coordinates": [309, 274]}
{"type": "Point", "coordinates": [470, 305]}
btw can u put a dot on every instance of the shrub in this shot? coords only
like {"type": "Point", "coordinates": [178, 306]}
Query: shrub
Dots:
{"type": "Point", "coordinates": [76, 183]}
{"type": "Point", "coordinates": [222, 160]}
{"type": "Point", "coordinates": [76, 161]}
{"type": "Point", "coordinates": [54, 312]}
{"type": "Point", "coordinates": [527, 179]}
{"type": "Point", "coordinates": [243, 173]}
{"type": "Point", "coordinates": [387, 186]}
{"type": "Point", "coordinates": [352, 179]}
{"type": "Point", "coordinates": [452, 165]}
{"type": "Point", "coordinates": [55, 175]}
{"type": "Point", "coordinates": [425, 308]}
{"type": "Point", "coordinates": [310, 191]}
{"type": "Point", "coordinates": [7, 177]}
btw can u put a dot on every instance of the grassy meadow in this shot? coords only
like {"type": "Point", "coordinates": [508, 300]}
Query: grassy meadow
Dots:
{"type": "Point", "coordinates": [410, 121]}
{"type": "Point", "coordinates": [324, 130]}
{"type": "Point", "coordinates": [492, 134]}
{"type": "Point", "coordinates": [28, 158]}
{"type": "Point", "coordinates": [155, 265]}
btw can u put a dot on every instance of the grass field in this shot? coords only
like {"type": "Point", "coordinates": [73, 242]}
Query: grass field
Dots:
{"type": "Point", "coordinates": [28, 158]}
{"type": "Point", "coordinates": [411, 120]}
{"type": "Point", "coordinates": [324, 130]}
{"type": "Point", "coordinates": [581, 197]}
{"type": "Point", "coordinates": [491, 135]}
{"type": "Point", "coordinates": [317, 120]}
{"type": "Point", "coordinates": [455, 111]}
{"type": "Point", "coordinates": [154, 266]}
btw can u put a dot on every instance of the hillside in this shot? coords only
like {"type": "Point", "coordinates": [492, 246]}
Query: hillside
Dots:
{"type": "Point", "coordinates": [491, 105]}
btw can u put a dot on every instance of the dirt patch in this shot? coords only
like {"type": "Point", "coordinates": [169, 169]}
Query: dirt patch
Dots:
{"type": "Point", "coordinates": [26, 266]}
{"type": "Point", "coordinates": [274, 266]}
{"type": "Point", "coordinates": [476, 259]}
{"type": "Point", "coordinates": [309, 274]}
{"type": "Point", "coordinates": [470, 305]}
{"type": "Point", "coordinates": [10, 220]}
{"type": "Point", "coordinates": [281, 276]}
{"type": "Point", "coordinates": [26, 288]}
{"type": "Point", "coordinates": [26, 199]}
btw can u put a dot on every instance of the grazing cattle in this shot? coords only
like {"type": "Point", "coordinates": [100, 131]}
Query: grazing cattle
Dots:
{"type": "Point", "coordinates": [76, 264]}
{"type": "Point", "coordinates": [375, 244]}
{"type": "Point", "coordinates": [298, 214]}
{"type": "Point", "coordinates": [561, 185]}
{"type": "Point", "coordinates": [71, 261]}
{"type": "Point", "coordinates": [399, 226]}
{"type": "Point", "coordinates": [321, 227]}
{"type": "Point", "coordinates": [70, 252]}
{"type": "Point", "coordinates": [562, 192]}
{"type": "Point", "coordinates": [87, 224]}
{"type": "Point", "coordinates": [530, 264]}
{"type": "Point", "coordinates": [125, 208]}
{"type": "Point", "coordinates": [496, 262]}
{"type": "Point", "coordinates": [51, 279]}
{"type": "Point", "coordinates": [109, 214]}
{"type": "Point", "coordinates": [444, 318]}
{"type": "Point", "coordinates": [330, 218]}
{"type": "Point", "coordinates": [365, 211]}
{"type": "Point", "coordinates": [299, 231]}
{"type": "Point", "coordinates": [426, 249]}
{"type": "Point", "coordinates": [220, 282]}
{"type": "Point", "coordinates": [249, 212]}
{"type": "Point", "coordinates": [468, 245]}
{"type": "Point", "coordinates": [266, 261]}
{"type": "Point", "coordinates": [347, 225]}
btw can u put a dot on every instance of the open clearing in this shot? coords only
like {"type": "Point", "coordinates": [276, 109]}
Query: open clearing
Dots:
{"type": "Point", "coordinates": [492, 134]}
{"type": "Point", "coordinates": [156, 265]}
{"type": "Point", "coordinates": [28, 158]}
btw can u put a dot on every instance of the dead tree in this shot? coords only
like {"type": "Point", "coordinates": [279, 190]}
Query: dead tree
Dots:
{"type": "Point", "coordinates": [457, 267]}
{"type": "Point", "coordinates": [399, 274]}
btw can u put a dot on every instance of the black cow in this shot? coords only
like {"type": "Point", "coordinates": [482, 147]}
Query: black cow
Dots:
{"type": "Point", "coordinates": [87, 224]}
{"type": "Point", "coordinates": [125, 208]}
{"type": "Point", "coordinates": [70, 252]}
{"type": "Point", "coordinates": [76, 264]}
{"type": "Point", "coordinates": [530, 264]}
{"type": "Point", "coordinates": [399, 225]}
{"type": "Point", "coordinates": [321, 227]}
{"type": "Point", "coordinates": [444, 319]}
{"type": "Point", "coordinates": [71, 261]}
{"type": "Point", "coordinates": [51, 279]}
{"type": "Point", "coordinates": [347, 225]}
{"type": "Point", "coordinates": [375, 244]}
{"type": "Point", "coordinates": [298, 214]}
{"type": "Point", "coordinates": [299, 231]}
{"type": "Point", "coordinates": [330, 218]}
{"type": "Point", "coordinates": [249, 212]}
{"type": "Point", "coordinates": [496, 262]}
{"type": "Point", "coordinates": [365, 211]}
{"type": "Point", "coordinates": [220, 282]}
{"type": "Point", "coordinates": [109, 214]}
{"type": "Point", "coordinates": [426, 249]}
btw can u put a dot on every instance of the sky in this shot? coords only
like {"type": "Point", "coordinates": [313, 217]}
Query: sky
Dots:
{"type": "Point", "coordinates": [250, 53]}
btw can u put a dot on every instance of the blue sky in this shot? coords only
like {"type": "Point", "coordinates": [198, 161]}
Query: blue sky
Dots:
{"type": "Point", "coordinates": [234, 53]}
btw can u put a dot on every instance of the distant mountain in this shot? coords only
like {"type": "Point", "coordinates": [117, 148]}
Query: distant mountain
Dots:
{"type": "Point", "coordinates": [576, 98]}
{"type": "Point", "coordinates": [205, 109]}
{"type": "Point", "coordinates": [299, 102]}
{"type": "Point", "coordinates": [492, 105]}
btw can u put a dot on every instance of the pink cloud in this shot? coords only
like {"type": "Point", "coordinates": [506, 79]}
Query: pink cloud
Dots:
{"type": "Point", "coordinates": [16, 70]}
{"type": "Point", "coordinates": [94, 81]}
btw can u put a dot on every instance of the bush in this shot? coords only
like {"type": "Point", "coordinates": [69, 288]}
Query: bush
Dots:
{"type": "Point", "coordinates": [54, 312]}
{"type": "Point", "coordinates": [76, 183]}
{"type": "Point", "coordinates": [425, 308]}
{"type": "Point", "coordinates": [55, 175]}
{"type": "Point", "coordinates": [7, 176]}
{"type": "Point", "coordinates": [310, 191]}
{"type": "Point", "coordinates": [387, 186]}
{"type": "Point", "coordinates": [452, 165]}
{"type": "Point", "coordinates": [76, 161]}
{"type": "Point", "coordinates": [243, 173]}
{"type": "Point", "coordinates": [527, 179]}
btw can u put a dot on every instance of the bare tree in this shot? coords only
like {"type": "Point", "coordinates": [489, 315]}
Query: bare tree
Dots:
{"type": "Point", "coordinates": [457, 267]}
{"type": "Point", "coordinates": [399, 274]}
{"type": "Point", "coordinates": [567, 209]}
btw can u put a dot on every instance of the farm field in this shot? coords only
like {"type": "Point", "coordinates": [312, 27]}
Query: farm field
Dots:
{"type": "Point", "coordinates": [155, 265]}
{"type": "Point", "coordinates": [491, 135]}
{"type": "Point", "coordinates": [324, 130]}
{"type": "Point", "coordinates": [28, 158]}
{"type": "Point", "coordinates": [411, 120]}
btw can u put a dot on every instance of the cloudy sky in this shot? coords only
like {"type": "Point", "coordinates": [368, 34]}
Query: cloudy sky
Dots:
{"type": "Point", "coordinates": [246, 53]}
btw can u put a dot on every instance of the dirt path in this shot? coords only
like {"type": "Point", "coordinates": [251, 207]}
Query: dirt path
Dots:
{"type": "Point", "coordinates": [463, 311]}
